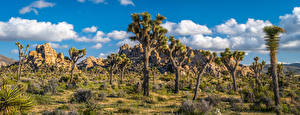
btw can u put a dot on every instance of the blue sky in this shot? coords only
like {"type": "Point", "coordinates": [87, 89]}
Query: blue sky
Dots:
{"type": "Point", "coordinates": [201, 24]}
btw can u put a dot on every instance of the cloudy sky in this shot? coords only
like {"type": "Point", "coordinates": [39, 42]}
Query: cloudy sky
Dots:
{"type": "Point", "coordinates": [100, 25]}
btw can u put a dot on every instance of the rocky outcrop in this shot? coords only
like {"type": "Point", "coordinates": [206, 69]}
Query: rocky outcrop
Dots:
{"type": "Point", "coordinates": [90, 62]}
{"type": "Point", "coordinates": [158, 59]}
{"type": "Point", "coordinates": [46, 55]}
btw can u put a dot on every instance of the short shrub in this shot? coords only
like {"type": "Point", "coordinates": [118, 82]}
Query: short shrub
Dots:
{"type": "Point", "coordinates": [102, 96]}
{"type": "Point", "coordinates": [83, 95]}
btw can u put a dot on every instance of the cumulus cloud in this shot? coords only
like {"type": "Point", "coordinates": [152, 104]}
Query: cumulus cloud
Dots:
{"type": "Point", "coordinates": [90, 29]}
{"type": "Point", "coordinates": [36, 5]}
{"type": "Point", "coordinates": [118, 35]}
{"type": "Point", "coordinates": [291, 23]}
{"type": "Point", "coordinates": [127, 41]}
{"type": "Point", "coordinates": [14, 51]}
{"type": "Point", "coordinates": [126, 2]}
{"type": "Point", "coordinates": [206, 42]}
{"type": "Point", "coordinates": [58, 46]}
{"type": "Point", "coordinates": [24, 29]}
{"type": "Point", "coordinates": [186, 27]}
{"type": "Point", "coordinates": [97, 46]}
{"type": "Point", "coordinates": [99, 37]}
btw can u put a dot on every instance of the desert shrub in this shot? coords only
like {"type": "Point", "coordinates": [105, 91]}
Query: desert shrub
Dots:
{"type": "Point", "coordinates": [155, 87]}
{"type": "Point", "coordinates": [102, 96]}
{"type": "Point", "coordinates": [127, 110]}
{"type": "Point", "coordinates": [82, 95]}
{"type": "Point", "coordinates": [43, 100]}
{"type": "Point", "coordinates": [59, 112]}
{"type": "Point", "coordinates": [213, 100]}
{"type": "Point", "coordinates": [192, 108]}
{"type": "Point", "coordinates": [51, 86]}
{"type": "Point", "coordinates": [121, 93]}
{"type": "Point", "coordinates": [63, 107]}
{"type": "Point", "coordinates": [72, 85]}
{"type": "Point", "coordinates": [64, 79]}
{"type": "Point", "coordinates": [34, 88]}
{"type": "Point", "coordinates": [103, 86]}
{"type": "Point", "coordinates": [150, 100]}
{"type": "Point", "coordinates": [161, 98]}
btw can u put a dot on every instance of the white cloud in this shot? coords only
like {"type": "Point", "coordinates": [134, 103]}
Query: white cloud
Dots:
{"type": "Point", "coordinates": [126, 2]}
{"type": "Point", "coordinates": [127, 41]}
{"type": "Point", "coordinates": [94, 1]}
{"type": "Point", "coordinates": [97, 46]}
{"type": "Point", "coordinates": [24, 29]}
{"type": "Point", "coordinates": [36, 5]}
{"type": "Point", "coordinates": [118, 35]}
{"type": "Point", "coordinates": [206, 42]}
{"type": "Point", "coordinates": [99, 37]}
{"type": "Point", "coordinates": [14, 51]}
{"type": "Point", "coordinates": [291, 24]}
{"type": "Point", "coordinates": [103, 55]}
{"type": "Point", "coordinates": [186, 27]}
{"type": "Point", "coordinates": [90, 29]}
{"type": "Point", "coordinates": [57, 46]}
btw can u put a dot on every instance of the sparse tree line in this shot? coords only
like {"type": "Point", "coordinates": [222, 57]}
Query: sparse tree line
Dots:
{"type": "Point", "coordinates": [153, 37]}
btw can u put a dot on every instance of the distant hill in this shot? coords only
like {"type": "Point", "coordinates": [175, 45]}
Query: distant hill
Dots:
{"type": "Point", "coordinates": [6, 61]}
{"type": "Point", "coordinates": [294, 67]}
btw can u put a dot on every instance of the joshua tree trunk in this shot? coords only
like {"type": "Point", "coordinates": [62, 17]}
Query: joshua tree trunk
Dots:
{"type": "Point", "coordinates": [19, 69]}
{"type": "Point", "coordinates": [153, 73]}
{"type": "Point", "coordinates": [275, 80]}
{"type": "Point", "coordinates": [257, 80]}
{"type": "Point", "coordinates": [122, 75]}
{"type": "Point", "coordinates": [233, 74]}
{"type": "Point", "coordinates": [72, 72]}
{"type": "Point", "coordinates": [110, 75]}
{"type": "Point", "coordinates": [198, 82]}
{"type": "Point", "coordinates": [177, 80]}
{"type": "Point", "coordinates": [146, 72]}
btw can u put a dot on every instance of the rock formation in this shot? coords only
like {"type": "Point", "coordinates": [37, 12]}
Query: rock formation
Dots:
{"type": "Point", "coordinates": [90, 62]}
{"type": "Point", "coordinates": [46, 55]}
{"type": "Point", "coordinates": [136, 55]}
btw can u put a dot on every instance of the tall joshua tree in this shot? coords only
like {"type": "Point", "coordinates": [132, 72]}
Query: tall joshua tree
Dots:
{"type": "Point", "coordinates": [257, 68]}
{"type": "Point", "coordinates": [113, 61]}
{"type": "Point", "coordinates": [272, 41]}
{"type": "Point", "coordinates": [124, 64]}
{"type": "Point", "coordinates": [178, 54]}
{"type": "Point", "coordinates": [231, 60]}
{"type": "Point", "coordinates": [22, 56]}
{"type": "Point", "coordinates": [208, 58]}
{"type": "Point", "coordinates": [75, 55]}
{"type": "Point", "coordinates": [149, 33]}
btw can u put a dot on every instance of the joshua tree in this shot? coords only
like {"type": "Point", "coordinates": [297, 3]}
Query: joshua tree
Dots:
{"type": "Point", "coordinates": [279, 72]}
{"type": "Point", "coordinates": [149, 33]}
{"type": "Point", "coordinates": [272, 41]}
{"type": "Point", "coordinates": [231, 60]}
{"type": "Point", "coordinates": [208, 58]}
{"type": "Point", "coordinates": [113, 61]}
{"type": "Point", "coordinates": [75, 55]}
{"type": "Point", "coordinates": [257, 68]}
{"type": "Point", "coordinates": [178, 54]}
{"type": "Point", "coordinates": [125, 63]}
{"type": "Point", "coordinates": [22, 56]}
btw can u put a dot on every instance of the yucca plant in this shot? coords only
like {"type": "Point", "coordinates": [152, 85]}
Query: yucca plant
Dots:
{"type": "Point", "coordinates": [257, 68]}
{"type": "Point", "coordinates": [272, 41]}
{"type": "Point", "coordinates": [124, 64]}
{"type": "Point", "coordinates": [113, 61]}
{"type": "Point", "coordinates": [13, 100]}
{"type": "Point", "coordinates": [75, 55]}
